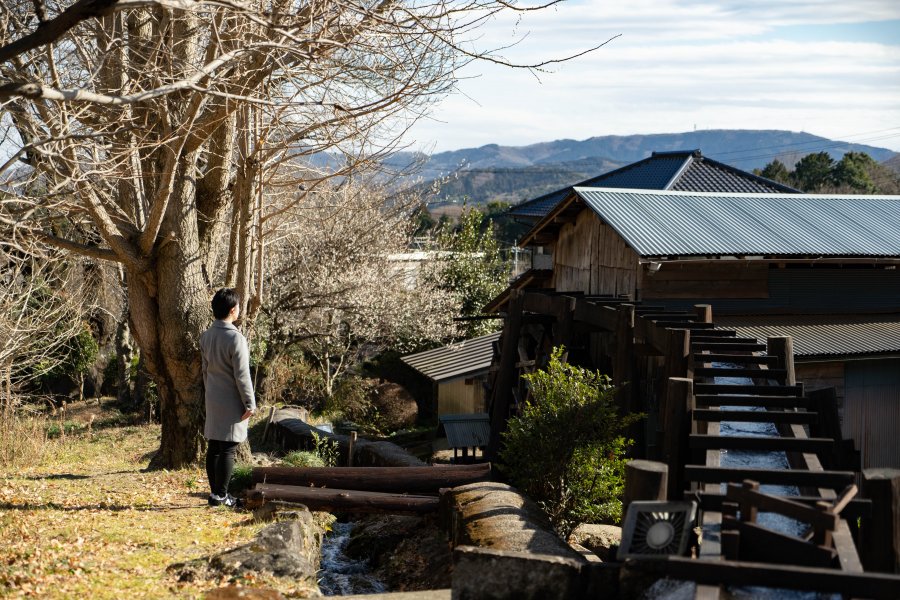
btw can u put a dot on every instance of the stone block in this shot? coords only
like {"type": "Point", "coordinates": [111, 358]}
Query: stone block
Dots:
{"type": "Point", "coordinates": [485, 574]}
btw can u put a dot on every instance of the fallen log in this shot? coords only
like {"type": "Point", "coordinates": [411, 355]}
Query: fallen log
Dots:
{"type": "Point", "coordinates": [376, 479]}
{"type": "Point", "coordinates": [334, 500]}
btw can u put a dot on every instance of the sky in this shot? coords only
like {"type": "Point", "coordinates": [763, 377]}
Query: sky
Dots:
{"type": "Point", "coordinates": [830, 68]}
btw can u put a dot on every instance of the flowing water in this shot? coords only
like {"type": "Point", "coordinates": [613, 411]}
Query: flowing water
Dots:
{"type": "Point", "coordinates": [340, 575]}
{"type": "Point", "coordinates": [669, 590]}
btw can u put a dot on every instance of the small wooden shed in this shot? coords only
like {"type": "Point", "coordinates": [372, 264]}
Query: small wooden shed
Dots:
{"type": "Point", "coordinates": [458, 372]}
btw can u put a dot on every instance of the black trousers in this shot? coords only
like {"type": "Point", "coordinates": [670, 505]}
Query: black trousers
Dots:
{"type": "Point", "coordinates": [219, 465]}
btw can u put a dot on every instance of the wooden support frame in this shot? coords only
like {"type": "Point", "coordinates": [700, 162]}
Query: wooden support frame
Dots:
{"type": "Point", "coordinates": [718, 572]}
{"type": "Point", "coordinates": [677, 430]}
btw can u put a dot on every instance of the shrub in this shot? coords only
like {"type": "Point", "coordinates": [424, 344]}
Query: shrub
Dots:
{"type": "Point", "coordinates": [241, 478]}
{"type": "Point", "coordinates": [303, 458]}
{"type": "Point", "coordinates": [566, 450]}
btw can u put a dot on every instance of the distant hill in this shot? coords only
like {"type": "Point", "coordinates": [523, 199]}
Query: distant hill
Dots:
{"type": "Point", "coordinates": [514, 173]}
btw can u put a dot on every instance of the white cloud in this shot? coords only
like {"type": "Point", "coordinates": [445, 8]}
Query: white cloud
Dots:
{"type": "Point", "coordinates": [678, 64]}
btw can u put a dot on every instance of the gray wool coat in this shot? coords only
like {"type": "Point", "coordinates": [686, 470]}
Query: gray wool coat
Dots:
{"type": "Point", "coordinates": [226, 377]}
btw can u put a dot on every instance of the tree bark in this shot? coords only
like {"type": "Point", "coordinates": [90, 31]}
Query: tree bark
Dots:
{"type": "Point", "coordinates": [169, 311]}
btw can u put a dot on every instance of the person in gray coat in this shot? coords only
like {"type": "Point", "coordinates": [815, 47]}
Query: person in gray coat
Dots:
{"type": "Point", "coordinates": [229, 393]}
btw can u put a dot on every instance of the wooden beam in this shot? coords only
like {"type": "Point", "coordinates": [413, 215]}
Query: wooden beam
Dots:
{"type": "Point", "coordinates": [760, 544]}
{"type": "Point", "coordinates": [644, 480]}
{"type": "Point", "coordinates": [783, 348]}
{"type": "Point", "coordinates": [738, 359]}
{"type": "Point", "coordinates": [375, 479]}
{"type": "Point", "coordinates": [763, 390]}
{"type": "Point", "coordinates": [754, 416]}
{"type": "Point", "coordinates": [853, 585]}
{"type": "Point", "coordinates": [762, 443]}
{"type": "Point", "coordinates": [857, 508]}
{"type": "Point", "coordinates": [501, 394]}
{"type": "Point", "coordinates": [835, 480]}
{"type": "Point", "coordinates": [677, 429]}
{"type": "Point", "coordinates": [704, 400]}
{"type": "Point", "coordinates": [723, 346]}
{"type": "Point", "coordinates": [881, 531]}
{"type": "Point", "coordinates": [782, 505]}
{"type": "Point", "coordinates": [596, 315]}
{"type": "Point", "coordinates": [777, 374]}
{"type": "Point", "coordinates": [330, 500]}
{"type": "Point", "coordinates": [703, 312]}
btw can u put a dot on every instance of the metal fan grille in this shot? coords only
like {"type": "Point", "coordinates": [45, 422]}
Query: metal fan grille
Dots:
{"type": "Point", "coordinates": [657, 529]}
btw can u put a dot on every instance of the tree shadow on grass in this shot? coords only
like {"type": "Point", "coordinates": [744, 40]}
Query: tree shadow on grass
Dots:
{"type": "Point", "coordinates": [94, 507]}
{"type": "Point", "coordinates": [71, 476]}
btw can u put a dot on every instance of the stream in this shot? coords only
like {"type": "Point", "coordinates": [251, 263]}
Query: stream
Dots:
{"type": "Point", "coordinates": [340, 575]}
{"type": "Point", "coordinates": [672, 590]}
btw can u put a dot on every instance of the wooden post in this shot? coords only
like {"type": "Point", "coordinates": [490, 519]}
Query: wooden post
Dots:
{"type": "Point", "coordinates": [350, 444]}
{"type": "Point", "coordinates": [268, 423]}
{"type": "Point", "coordinates": [625, 376]}
{"type": "Point", "coordinates": [644, 480]}
{"type": "Point", "coordinates": [783, 348]}
{"type": "Point", "coordinates": [880, 533]}
{"type": "Point", "coordinates": [676, 429]}
{"type": "Point", "coordinates": [623, 361]}
{"type": "Point", "coordinates": [678, 353]}
{"type": "Point", "coordinates": [564, 328]}
{"type": "Point", "coordinates": [704, 313]}
{"type": "Point", "coordinates": [506, 377]}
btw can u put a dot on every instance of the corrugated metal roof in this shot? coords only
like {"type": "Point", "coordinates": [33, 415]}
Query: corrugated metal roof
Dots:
{"type": "Point", "coordinates": [455, 360]}
{"type": "Point", "coordinates": [467, 431]}
{"type": "Point", "coordinates": [684, 170]}
{"type": "Point", "coordinates": [824, 335]}
{"type": "Point", "coordinates": [715, 224]}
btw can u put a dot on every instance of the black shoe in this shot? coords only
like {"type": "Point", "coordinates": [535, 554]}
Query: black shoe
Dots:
{"type": "Point", "coordinates": [214, 500]}
{"type": "Point", "coordinates": [232, 502]}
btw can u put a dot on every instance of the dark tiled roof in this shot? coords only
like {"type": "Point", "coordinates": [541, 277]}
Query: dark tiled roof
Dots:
{"type": "Point", "coordinates": [824, 335]}
{"type": "Point", "coordinates": [707, 175]}
{"type": "Point", "coordinates": [683, 170]}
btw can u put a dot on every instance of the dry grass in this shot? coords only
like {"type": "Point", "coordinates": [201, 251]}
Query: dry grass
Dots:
{"type": "Point", "coordinates": [23, 438]}
{"type": "Point", "coordinates": [85, 520]}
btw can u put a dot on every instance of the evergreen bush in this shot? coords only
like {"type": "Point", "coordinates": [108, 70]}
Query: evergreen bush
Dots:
{"type": "Point", "coordinates": [567, 449]}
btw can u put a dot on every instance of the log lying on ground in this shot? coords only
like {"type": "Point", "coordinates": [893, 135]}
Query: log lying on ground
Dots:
{"type": "Point", "coordinates": [332, 500]}
{"type": "Point", "coordinates": [376, 479]}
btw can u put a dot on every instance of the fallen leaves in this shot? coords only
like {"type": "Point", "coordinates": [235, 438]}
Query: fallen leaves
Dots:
{"type": "Point", "coordinates": [89, 522]}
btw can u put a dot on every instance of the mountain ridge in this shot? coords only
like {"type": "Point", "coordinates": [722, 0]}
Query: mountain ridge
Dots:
{"type": "Point", "coordinates": [544, 166]}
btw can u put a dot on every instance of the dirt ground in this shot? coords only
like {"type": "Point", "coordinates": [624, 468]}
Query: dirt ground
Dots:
{"type": "Point", "coordinates": [86, 520]}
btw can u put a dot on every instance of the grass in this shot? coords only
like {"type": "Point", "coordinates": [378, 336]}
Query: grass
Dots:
{"type": "Point", "coordinates": [85, 520]}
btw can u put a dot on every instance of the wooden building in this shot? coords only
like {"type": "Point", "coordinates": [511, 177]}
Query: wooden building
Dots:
{"type": "Point", "coordinates": [457, 372]}
{"type": "Point", "coordinates": [822, 268]}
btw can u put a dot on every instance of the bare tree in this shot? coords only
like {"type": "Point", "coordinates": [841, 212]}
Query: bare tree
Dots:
{"type": "Point", "coordinates": [41, 304]}
{"type": "Point", "coordinates": [154, 127]}
{"type": "Point", "coordinates": [341, 279]}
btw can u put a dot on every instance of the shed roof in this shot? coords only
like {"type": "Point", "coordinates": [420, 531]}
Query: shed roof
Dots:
{"type": "Point", "coordinates": [684, 170]}
{"type": "Point", "coordinates": [824, 335]}
{"type": "Point", "coordinates": [666, 223]}
{"type": "Point", "coordinates": [467, 431]}
{"type": "Point", "coordinates": [459, 359]}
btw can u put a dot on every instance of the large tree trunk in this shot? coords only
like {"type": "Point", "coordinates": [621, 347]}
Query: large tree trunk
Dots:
{"type": "Point", "coordinates": [169, 311]}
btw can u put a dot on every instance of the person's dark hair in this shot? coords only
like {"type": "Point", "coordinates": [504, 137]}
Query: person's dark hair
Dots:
{"type": "Point", "coordinates": [224, 300]}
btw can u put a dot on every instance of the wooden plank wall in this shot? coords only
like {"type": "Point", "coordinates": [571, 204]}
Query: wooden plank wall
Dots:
{"type": "Point", "coordinates": [457, 397]}
{"type": "Point", "coordinates": [590, 257]}
{"type": "Point", "coordinates": [728, 279]}
{"type": "Point", "coordinates": [820, 375]}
